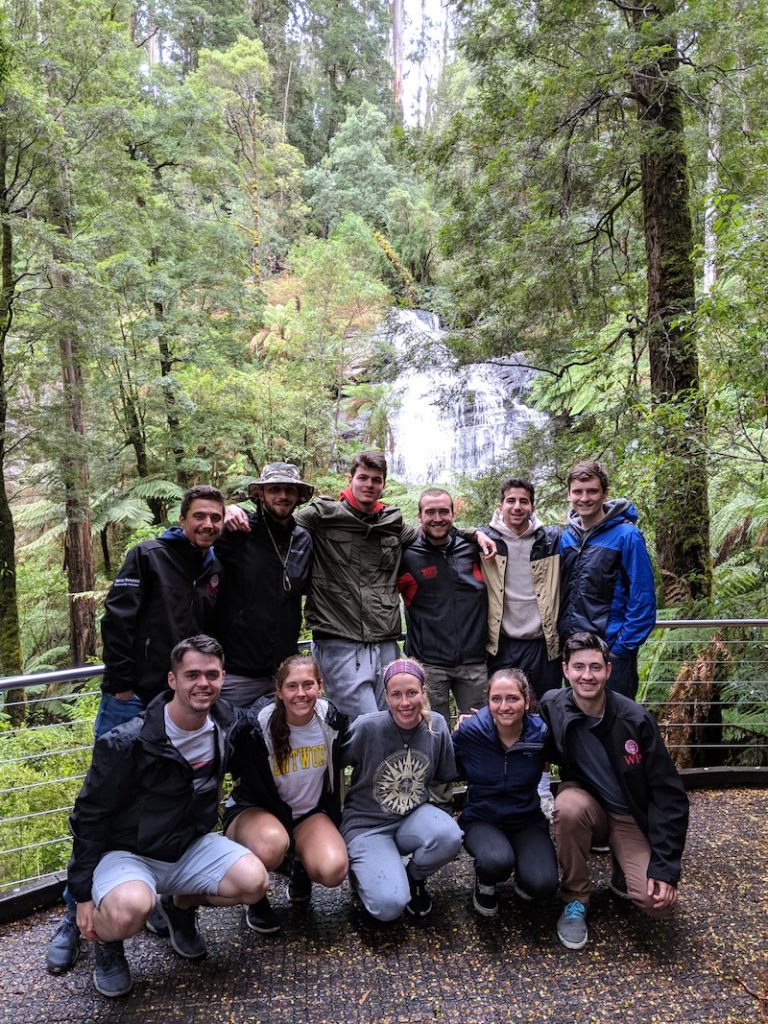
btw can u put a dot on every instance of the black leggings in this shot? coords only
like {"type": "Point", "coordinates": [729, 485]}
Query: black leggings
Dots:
{"type": "Point", "coordinates": [528, 851]}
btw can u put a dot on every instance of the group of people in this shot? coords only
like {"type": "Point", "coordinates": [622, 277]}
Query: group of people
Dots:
{"type": "Point", "coordinates": [506, 599]}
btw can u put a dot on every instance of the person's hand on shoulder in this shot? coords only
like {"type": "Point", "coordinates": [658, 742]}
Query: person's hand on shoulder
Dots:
{"type": "Point", "coordinates": [236, 519]}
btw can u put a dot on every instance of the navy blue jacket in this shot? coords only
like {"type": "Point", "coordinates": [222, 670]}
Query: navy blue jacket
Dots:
{"type": "Point", "coordinates": [501, 784]}
{"type": "Point", "coordinates": [446, 603]}
{"type": "Point", "coordinates": [607, 584]}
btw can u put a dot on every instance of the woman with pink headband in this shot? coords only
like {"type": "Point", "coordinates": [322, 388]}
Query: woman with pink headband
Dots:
{"type": "Point", "coordinates": [397, 754]}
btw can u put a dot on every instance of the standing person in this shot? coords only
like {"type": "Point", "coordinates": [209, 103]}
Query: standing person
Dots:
{"type": "Point", "coordinates": [523, 589]}
{"type": "Point", "coordinates": [608, 585]}
{"type": "Point", "coordinates": [267, 569]}
{"type": "Point", "coordinates": [143, 821]}
{"type": "Point", "coordinates": [446, 607]}
{"type": "Point", "coordinates": [286, 802]}
{"type": "Point", "coordinates": [353, 606]}
{"type": "Point", "coordinates": [500, 752]}
{"type": "Point", "coordinates": [619, 786]}
{"type": "Point", "coordinates": [396, 755]}
{"type": "Point", "coordinates": [166, 589]}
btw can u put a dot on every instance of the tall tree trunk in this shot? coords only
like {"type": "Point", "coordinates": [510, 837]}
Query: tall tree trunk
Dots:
{"type": "Point", "coordinates": [396, 12]}
{"type": "Point", "coordinates": [78, 545]}
{"type": "Point", "coordinates": [169, 397]}
{"type": "Point", "coordinates": [682, 532]}
{"type": "Point", "coordinates": [10, 637]}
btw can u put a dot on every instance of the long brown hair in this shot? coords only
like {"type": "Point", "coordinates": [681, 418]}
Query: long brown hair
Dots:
{"type": "Point", "coordinates": [279, 730]}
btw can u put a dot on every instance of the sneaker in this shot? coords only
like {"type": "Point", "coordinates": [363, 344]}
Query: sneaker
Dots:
{"type": "Point", "coordinates": [600, 848]}
{"type": "Point", "coordinates": [299, 884]}
{"type": "Point", "coordinates": [420, 903]}
{"type": "Point", "coordinates": [547, 802]}
{"type": "Point", "coordinates": [572, 925]}
{"type": "Point", "coordinates": [260, 917]}
{"type": "Point", "coordinates": [182, 929]}
{"type": "Point", "coordinates": [64, 947]}
{"type": "Point", "coordinates": [112, 976]}
{"type": "Point", "coordinates": [618, 883]}
{"type": "Point", "coordinates": [155, 923]}
{"type": "Point", "coordinates": [484, 899]}
{"type": "Point", "coordinates": [522, 893]}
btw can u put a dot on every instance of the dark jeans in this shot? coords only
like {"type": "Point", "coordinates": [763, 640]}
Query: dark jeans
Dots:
{"type": "Point", "coordinates": [531, 657]}
{"type": "Point", "coordinates": [528, 851]}
{"type": "Point", "coordinates": [624, 678]}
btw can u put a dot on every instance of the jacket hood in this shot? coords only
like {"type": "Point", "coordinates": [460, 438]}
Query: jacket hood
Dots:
{"type": "Point", "coordinates": [616, 509]}
{"type": "Point", "coordinates": [497, 522]}
{"type": "Point", "coordinates": [177, 535]}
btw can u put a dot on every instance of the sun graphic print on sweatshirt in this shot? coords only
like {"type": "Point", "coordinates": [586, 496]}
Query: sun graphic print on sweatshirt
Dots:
{"type": "Point", "coordinates": [400, 784]}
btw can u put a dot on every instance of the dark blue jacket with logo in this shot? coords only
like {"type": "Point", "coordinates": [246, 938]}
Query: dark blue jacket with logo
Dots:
{"type": "Point", "coordinates": [501, 784]}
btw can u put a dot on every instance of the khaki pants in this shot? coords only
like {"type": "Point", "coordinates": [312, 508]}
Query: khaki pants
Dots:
{"type": "Point", "coordinates": [580, 821]}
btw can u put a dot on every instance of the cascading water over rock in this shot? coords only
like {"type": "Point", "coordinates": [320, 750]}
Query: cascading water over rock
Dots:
{"type": "Point", "coordinates": [451, 421]}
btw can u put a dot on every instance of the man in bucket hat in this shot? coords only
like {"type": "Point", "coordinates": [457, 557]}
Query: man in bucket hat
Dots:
{"type": "Point", "coordinates": [268, 570]}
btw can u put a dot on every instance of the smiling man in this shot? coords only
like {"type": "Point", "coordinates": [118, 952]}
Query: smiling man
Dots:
{"type": "Point", "coordinates": [143, 821]}
{"type": "Point", "coordinates": [268, 569]}
{"type": "Point", "coordinates": [166, 589]}
{"type": "Point", "coordinates": [619, 786]}
{"type": "Point", "coordinates": [446, 607]}
{"type": "Point", "coordinates": [608, 585]}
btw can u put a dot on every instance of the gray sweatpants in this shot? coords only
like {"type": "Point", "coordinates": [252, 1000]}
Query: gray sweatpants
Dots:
{"type": "Point", "coordinates": [352, 673]}
{"type": "Point", "coordinates": [430, 835]}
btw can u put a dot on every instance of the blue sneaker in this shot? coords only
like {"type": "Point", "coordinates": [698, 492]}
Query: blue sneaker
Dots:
{"type": "Point", "coordinates": [572, 925]}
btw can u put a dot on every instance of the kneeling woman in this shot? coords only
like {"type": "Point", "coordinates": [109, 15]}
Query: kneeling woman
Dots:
{"type": "Point", "coordinates": [286, 802]}
{"type": "Point", "coordinates": [397, 754]}
{"type": "Point", "coordinates": [500, 752]}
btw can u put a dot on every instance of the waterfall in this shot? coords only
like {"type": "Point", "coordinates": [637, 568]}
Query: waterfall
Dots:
{"type": "Point", "coordinates": [451, 420]}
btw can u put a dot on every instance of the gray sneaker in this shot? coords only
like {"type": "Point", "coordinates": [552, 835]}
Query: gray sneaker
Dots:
{"type": "Point", "coordinates": [182, 929]}
{"type": "Point", "coordinates": [64, 947]}
{"type": "Point", "coordinates": [112, 976]}
{"type": "Point", "coordinates": [572, 925]}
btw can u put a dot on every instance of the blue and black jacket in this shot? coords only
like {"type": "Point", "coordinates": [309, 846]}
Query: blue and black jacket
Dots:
{"type": "Point", "coordinates": [607, 583]}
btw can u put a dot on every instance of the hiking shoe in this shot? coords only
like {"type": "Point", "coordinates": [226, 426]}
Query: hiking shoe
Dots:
{"type": "Point", "coordinates": [112, 976]}
{"type": "Point", "coordinates": [484, 899]}
{"type": "Point", "coordinates": [182, 929]}
{"type": "Point", "coordinates": [522, 893]}
{"type": "Point", "coordinates": [261, 918]}
{"type": "Point", "coordinates": [572, 925]}
{"type": "Point", "coordinates": [64, 947]}
{"type": "Point", "coordinates": [299, 884]}
{"type": "Point", "coordinates": [155, 923]}
{"type": "Point", "coordinates": [420, 903]}
{"type": "Point", "coordinates": [618, 883]}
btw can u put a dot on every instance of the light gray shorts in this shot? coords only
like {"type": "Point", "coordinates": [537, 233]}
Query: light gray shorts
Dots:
{"type": "Point", "coordinates": [199, 870]}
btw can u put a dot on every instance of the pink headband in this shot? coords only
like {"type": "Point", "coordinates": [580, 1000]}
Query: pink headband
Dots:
{"type": "Point", "coordinates": [407, 667]}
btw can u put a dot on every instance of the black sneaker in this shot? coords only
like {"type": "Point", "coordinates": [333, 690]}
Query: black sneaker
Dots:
{"type": "Point", "coordinates": [300, 884]}
{"type": "Point", "coordinates": [155, 923]}
{"type": "Point", "coordinates": [420, 903]}
{"type": "Point", "coordinates": [599, 848]}
{"type": "Point", "coordinates": [112, 976]}
{"type": "Point", "coordinates": [484, 899]}
{"type": "Point", "coordinates": [182, 929]}
{"type": "Point", "coordinates": [64, 947]}
{"type": "Point", "coordinates": [261, 918]}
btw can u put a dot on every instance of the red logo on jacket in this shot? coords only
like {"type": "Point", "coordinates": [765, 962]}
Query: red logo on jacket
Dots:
{"type": "Point", "coordinates": [633, 755]}
{"type": "Point", "coordinates": [429, 572]}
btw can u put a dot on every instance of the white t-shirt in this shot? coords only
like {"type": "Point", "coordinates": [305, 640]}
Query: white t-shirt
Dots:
{"type": "Point", "coordinates": [196, 747]}
{"type": "Point", "coordinates": [301, 779]}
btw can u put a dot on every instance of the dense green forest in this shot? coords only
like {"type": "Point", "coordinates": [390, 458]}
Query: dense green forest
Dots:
{"type": "Point", "coordinates": [207, 206]}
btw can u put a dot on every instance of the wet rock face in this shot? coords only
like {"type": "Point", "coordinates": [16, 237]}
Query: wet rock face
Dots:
{"type": "Point", "coordinates": [451, 421]}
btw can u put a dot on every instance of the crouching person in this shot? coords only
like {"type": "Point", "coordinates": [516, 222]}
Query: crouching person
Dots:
{"type": "Point", "coordinates": [142, 822]}
{"type": "Point", "coordinates": [397, 754]}
{"type": "Point", "coordinates": [619, 787]}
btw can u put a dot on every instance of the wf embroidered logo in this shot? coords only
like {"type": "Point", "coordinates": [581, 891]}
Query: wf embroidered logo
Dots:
{"type": "Point", "coordinates": [633, 755]}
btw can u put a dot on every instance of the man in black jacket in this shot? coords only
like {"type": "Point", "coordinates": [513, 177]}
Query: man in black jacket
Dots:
{"type": "Point", "coordinates": [619, 786]}
{"type": "Point", "coordinates": [446, 607]}
{"type": "Point", "coordinates": [165, 590]}
{"type": "Point", "coordinates": [143, 821]}
{"type": "Point", "coordinates": [267, 571]}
